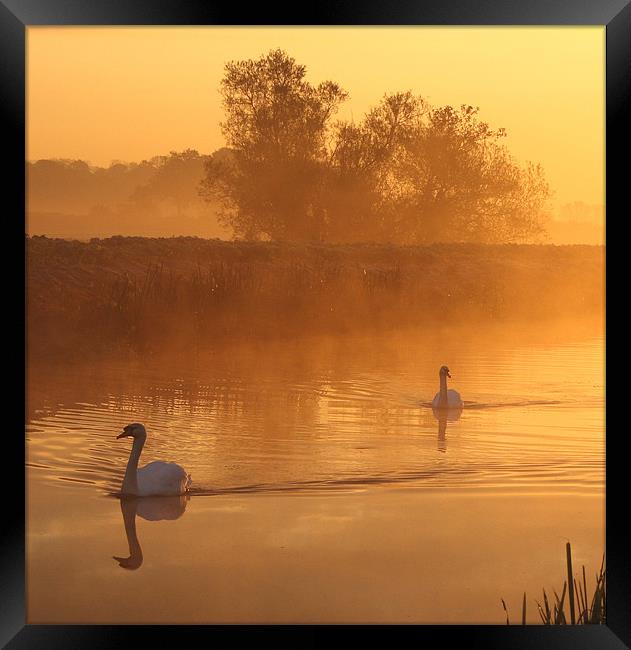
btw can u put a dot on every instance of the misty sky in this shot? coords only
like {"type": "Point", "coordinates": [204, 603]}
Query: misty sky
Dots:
{"type": "Point", "coordinates": [103, 94]}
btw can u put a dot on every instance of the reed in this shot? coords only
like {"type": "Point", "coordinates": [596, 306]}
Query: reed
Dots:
{"type": "Point", "coordinates": [139, 292]}
{"type": "Point", "coordinates": [583, 609]}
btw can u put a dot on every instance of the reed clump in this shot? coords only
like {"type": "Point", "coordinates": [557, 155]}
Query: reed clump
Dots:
{"type": "Point", "coordinates": [576, 605]}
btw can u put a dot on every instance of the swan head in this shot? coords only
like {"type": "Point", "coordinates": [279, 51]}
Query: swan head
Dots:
{"type": "Point", "coordinates": [444, 372]}
{"type": "Point", "coordinates": [134, 430]}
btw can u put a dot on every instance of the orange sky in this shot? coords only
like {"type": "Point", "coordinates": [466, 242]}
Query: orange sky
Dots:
{"type": "Point", "coordinates": [130, 93]}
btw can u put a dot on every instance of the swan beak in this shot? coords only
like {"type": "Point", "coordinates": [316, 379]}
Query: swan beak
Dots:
{"type": "Point", "coordinates": [449, 375]}
{"type": "Point", "coordinates": [122, 435]}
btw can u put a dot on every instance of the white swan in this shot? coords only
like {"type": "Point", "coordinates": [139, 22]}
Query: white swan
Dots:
{"type": "Point", "coordinates": [155, 479]}
{"type": "Point", "coordinates": [446, 399]}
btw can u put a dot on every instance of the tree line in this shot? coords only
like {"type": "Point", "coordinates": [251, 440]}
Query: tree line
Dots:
{"type": "Point", "coordinates": [163, 184]}
{"type": "Point", "coordinates": [407, 173]}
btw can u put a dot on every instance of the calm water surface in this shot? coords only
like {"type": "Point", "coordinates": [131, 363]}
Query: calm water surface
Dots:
{"type": "Point", "coordinates": [323, 487]}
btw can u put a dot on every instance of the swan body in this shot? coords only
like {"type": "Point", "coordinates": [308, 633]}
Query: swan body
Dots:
{"type": "Point", "coordinates": [158, 478]}
{"type": "Point", "coordinates": [446, 399]}
{"type": "Point", "coordinates": [453, 400]}
{"type": "Point", "coordinates": [162, 479]}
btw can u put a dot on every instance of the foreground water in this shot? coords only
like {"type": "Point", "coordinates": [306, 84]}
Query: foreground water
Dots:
{"type": "Point", "coordinates": [324, 490]}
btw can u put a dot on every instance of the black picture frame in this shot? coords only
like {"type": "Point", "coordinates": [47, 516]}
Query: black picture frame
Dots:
{"type": "Point", "coordinates": [17, 15]}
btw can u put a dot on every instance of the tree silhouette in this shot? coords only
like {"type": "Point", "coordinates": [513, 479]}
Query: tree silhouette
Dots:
{"type": "Point", "coordinates": [175, 181]}
{"type": "Point", "coordinates": [408, 173]}
{"type": "Point", "coordinates": [278, 127]}
{"type": "Point", "coordinates": [452, 180]}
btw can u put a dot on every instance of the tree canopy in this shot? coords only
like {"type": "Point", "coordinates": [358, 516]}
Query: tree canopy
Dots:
{"type": "Point", "coordinates": [407, 173]}
{"type": "Point", "coordinates": [276, 125]}
{"type": "Point", "coordinates": [175, 181]}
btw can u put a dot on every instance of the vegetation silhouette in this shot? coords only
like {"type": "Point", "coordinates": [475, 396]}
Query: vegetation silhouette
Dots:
{"type": "Point", "coordinates": [401, 218]}
{"type": "Point", "coordinates": [408, 173]}
{"type": "Point", "coordinates": [583, 610]}
{"type": "Point", "coordinates": [157, 197]}
{"type": "Point", "coordinates": [146, 292]}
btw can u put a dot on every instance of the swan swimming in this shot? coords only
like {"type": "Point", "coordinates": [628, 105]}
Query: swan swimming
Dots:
{"type": "Point", "coordinates": [154, 479]}
{"type": "Point", "coordinates": [446, 399]}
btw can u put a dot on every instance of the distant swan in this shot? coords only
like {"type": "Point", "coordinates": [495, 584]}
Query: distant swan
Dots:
{"type": "Point", "coordinates": [446, 399]}
{"type": "Point", "coordinates": [155, 479]}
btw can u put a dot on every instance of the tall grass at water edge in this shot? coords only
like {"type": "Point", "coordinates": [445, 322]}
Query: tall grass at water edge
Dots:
{"type": "Point", "coordinates": [580, 608]}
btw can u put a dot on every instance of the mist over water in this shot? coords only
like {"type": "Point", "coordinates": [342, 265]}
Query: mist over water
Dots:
{"type": "Point", "coordinates": [318, 466]}
{"type": "Point", "coordinates": [326, 413]}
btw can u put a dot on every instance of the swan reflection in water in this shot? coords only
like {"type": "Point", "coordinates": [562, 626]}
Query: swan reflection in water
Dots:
{"type": "Point", "coordinates": [444, 415]}
{"type": "Point", "coordinates": [151, 509]}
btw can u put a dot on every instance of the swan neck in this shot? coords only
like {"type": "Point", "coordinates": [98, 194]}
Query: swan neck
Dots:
{"type": "Point", "coordinates": [129, 506]}
{"type": "Point", "coordinates": [443, 390]}
{"type": "Point", "coordinates": [130, 482]}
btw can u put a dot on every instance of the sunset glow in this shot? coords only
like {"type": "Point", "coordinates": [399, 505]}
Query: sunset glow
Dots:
{"type": "Point", "coordinates": [315, 324]}
{"type": "Point", "coordinates": [103, 94]}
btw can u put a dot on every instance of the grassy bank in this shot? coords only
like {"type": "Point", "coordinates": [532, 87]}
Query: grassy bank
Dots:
{"type": "Point", "coordinates": [142, 293]}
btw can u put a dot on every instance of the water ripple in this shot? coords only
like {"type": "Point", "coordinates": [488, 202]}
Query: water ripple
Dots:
{"type": "Point", "coordinates": [254, 428]}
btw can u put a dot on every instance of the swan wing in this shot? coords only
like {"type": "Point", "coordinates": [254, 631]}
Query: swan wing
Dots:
{"type": "Point", "coordinates": [453, 399]}
{"type": "Point", "coordinates": [162, 479]}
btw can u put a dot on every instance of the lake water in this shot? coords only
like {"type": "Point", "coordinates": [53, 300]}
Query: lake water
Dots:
{"type": "Point", "coordinates": [324, 490]}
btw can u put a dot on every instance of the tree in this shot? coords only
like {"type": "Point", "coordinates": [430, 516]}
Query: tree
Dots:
{"type": "Point", "coordinates": [360, 164]}
{"type": "Point", "coordinates": [277, 126]}
{"type": "Point", "coordinates": [452, 180]}
{"type": "Point", "coordinates": [408, 173]}
{"type": "Point", "coordinates": [175, 180]}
